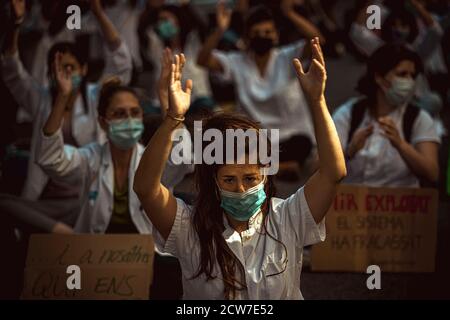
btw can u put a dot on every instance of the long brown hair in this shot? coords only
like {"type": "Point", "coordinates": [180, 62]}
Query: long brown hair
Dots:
{"type": "Point", "coordinates": [208, 215]}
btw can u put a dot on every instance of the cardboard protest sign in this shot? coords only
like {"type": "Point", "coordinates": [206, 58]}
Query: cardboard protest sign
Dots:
{"type": "Point", "coordinates": [111, 266]}
{"type": "Point", "coordinates": [394, 228]}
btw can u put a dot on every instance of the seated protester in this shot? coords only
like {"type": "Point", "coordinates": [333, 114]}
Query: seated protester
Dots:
{"type": "Point", "coordinates": [266, 88]}
{"type": "Point", "coordinates": [181, 29]}
{"type": "Point", "coordinates": [104, 171]}
{"type": "Point", "coordinates": [52, 22]}
{"type": "Point", "coordinates": [48, 204]}
{"type": "Point", "coordinates": [238, 241]}
{"type": "Point", "coordinates": [399, 26]}
{"type": "Point", "coordinates": [388, 142]}
{"type": "Point", "coordinates": [402, 27]}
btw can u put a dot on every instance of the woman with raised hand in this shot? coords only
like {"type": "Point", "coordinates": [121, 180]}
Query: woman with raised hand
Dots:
{"type": "Point", "coordinates": [238, 241]}
{"type": "Point", "coordinates": [47, 204]}
{"type": "Point", "coordinates": [104, 171]}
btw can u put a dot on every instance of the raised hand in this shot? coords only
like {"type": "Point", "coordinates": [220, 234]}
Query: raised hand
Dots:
{"type": "Point", "coordinates": [313, 82]}
{"type": "Point", "coordinates": [63, 77]}
{"type": "Point", "coordinates": [223, 16]}
{"type": "Point", "coordinates": [179, 99]}
{"type": "Point", "coordinates": [18, 10]}
{"type": "Point", "coordinates": [164, 79]}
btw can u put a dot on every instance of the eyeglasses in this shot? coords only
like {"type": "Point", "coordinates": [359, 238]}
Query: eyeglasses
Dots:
{"type": "Point", "coordinates": [125, 113]}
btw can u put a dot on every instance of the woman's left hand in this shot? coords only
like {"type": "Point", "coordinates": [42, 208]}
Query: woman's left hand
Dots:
{"type": "Point", "coordinates": [313, 81]}
{"type": "Point", "coordinates": [179, 98]}
{"type": "Point", "coordinates": [390, 131]}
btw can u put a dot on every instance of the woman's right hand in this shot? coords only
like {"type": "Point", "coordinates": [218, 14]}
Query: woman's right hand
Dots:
{"type": "Point", "coordinates": [63, 77]}
{"type": "Point", "coordinates": [179, 99]}
{"type": "Point", "coordinates": [18, 8]}
{"type": "Point", "coordinates": [359, 140]}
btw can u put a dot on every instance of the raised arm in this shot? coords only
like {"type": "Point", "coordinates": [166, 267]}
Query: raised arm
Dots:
{"type": "Point", "coordinates": [110, 32]}
{"type": "Point", "coordinates": [158, 202]}
{"type": "Point", "coordinates": [423, 13]}
{"type": "Point", "coordinates": [118, 59]}
{"type": "Point", "coordinates": [23, 87]}
{"type": "Point", "coordinates": [431, 39]}
{"type": "Point", "coordinates": [164, 79]}
{"type": "Point", "coordinates": [205, 57]}
{"type": "Point", "coordinates": [61, 161]}
{"type": "Point", "coordinates": [12, 37]}
{"type": "Point", "coordinates": [320, 189]}
{"type": "Point", "coordinates": [303, 25]}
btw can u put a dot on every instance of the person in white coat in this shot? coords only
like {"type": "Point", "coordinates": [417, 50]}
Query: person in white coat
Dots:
{"type": "Point", "coordinates": [46, 204]}
{"type": "Point", "coordinates": [388, 141]}
{"type": "Point", "coordinates": [238, 241]}
{"type": "Point", "coordinates": [104, 171]}
{"type": "Point", "coordinates": [266, 89]}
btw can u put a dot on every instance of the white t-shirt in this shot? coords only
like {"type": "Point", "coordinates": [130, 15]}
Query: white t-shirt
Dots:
{"type": "Point", "coordinates": [379, 164]}
{"type": "Point", "coordinates": [289, 221]}
{"type": "Point", "coordinates": [275, 100]}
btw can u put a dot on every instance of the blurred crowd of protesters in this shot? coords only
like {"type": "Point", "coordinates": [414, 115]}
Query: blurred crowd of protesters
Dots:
{"type": "Point", "coordinates": [393, 127]}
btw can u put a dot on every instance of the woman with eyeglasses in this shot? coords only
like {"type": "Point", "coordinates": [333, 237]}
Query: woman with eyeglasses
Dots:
{"type": "Point", "coordinates": [104, 172]}
{"type": "Point", "coordinates": [47, 205]}
{"type": "Point", "coordinates": [238, 241]}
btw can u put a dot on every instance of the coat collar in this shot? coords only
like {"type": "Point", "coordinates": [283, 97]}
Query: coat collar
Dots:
{"type": "Point", "coordinates": [235, 240]}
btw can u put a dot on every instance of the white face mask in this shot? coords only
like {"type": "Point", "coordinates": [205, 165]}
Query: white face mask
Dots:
{"type": "Point", "coordinates": [401, 91]}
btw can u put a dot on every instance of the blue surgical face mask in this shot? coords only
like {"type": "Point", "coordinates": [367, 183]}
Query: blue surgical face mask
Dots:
{"type": "Point", "coordinates": [401, 91]}
{"type": "Point", "coordinates": [76, 83]}
{"type": "Point", "coordinates": [243, 205]}
{"type": "Point", "coordinates": [166, 30]}
{"type": "Point", "coordinates": [124, 134]}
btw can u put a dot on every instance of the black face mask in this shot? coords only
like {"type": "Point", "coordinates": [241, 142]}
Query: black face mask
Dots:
{"type": "Point", "coordinates": [261, 45]}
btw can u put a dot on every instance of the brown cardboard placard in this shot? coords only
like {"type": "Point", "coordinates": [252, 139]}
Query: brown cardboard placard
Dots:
{"type": "Point", "coordinates": [111, 266]}
{"type": "Point", "coordinates": [394, 228]}
{"type": "Point", "coordinates": [107, 283]}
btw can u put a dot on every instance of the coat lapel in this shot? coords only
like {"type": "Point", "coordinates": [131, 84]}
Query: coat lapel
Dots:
{"type": "Point", "coordinates": [107, 169]}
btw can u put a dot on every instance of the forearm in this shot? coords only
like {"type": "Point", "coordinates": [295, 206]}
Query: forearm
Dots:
{"type": "Point", "coordinates": [331, 157]}
{"type": "Point", "coordinates": [426, 17]}
{"type": "Point", "coordinates": [304, 26]}
{"type": "Point", "coordinates": [11, 42]}
{"type": "Point", "coordinates": [163, 96]}
{"type": "Point", "coordinates": [56, 116]}
{"type": "Point", "coordinates": [420, 165]}
{"type": "Point", "coordinates": [210, 44]}
{"type": "Point", "coordinates": [110, 33]}
{"type": "Point", "coordinates": [148, 176]}
{"type": "Point", "coordinates": [361, 16]}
